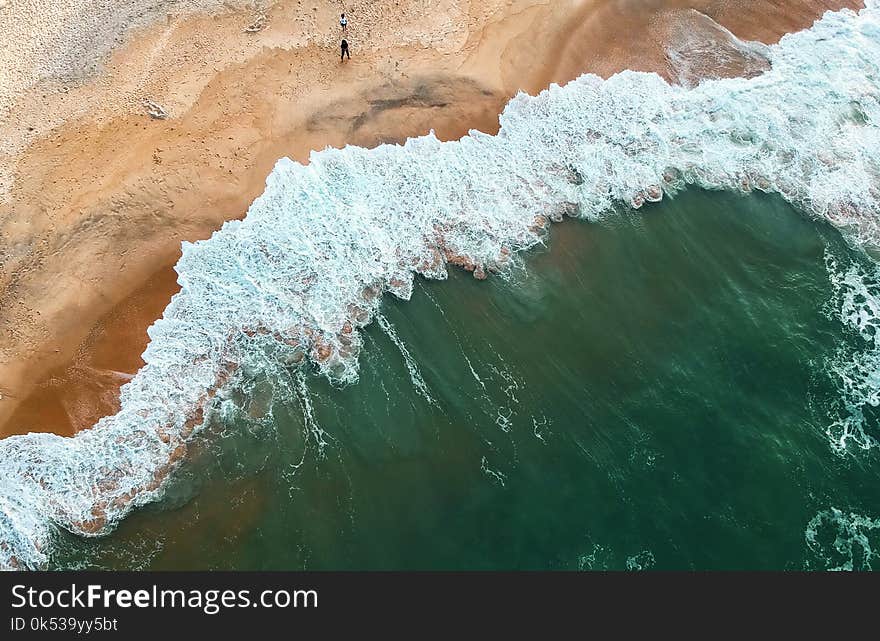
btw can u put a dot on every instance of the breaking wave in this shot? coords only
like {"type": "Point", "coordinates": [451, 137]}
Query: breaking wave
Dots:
{"type": "Point", "coordinates": [292, 283]}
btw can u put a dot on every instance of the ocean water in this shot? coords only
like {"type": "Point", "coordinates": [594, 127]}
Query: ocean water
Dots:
{"type": "Point", "coordinates": [657, 390]}
{"type": "Point", "coordinates": [326, 306]}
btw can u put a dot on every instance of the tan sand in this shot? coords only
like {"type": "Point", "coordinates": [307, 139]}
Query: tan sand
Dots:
{"type": "Point", "coordinates": [98, 196]}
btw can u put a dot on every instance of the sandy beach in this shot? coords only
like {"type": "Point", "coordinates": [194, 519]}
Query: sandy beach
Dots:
{"type": "Point", "coordinates": [96, 195]}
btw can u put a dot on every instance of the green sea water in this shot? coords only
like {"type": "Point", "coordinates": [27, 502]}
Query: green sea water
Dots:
{"type": "Point", "coordinates": [656, 391]}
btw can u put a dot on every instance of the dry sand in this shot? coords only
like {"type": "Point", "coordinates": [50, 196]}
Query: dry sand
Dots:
{"type": "Point", "coordinates": [95, 196]}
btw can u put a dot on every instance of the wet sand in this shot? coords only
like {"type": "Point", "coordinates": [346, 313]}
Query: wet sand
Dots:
{"type": "Point", "coordinates": [100, 195]}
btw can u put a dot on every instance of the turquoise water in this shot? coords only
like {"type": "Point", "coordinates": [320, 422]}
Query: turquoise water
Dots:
{"type": "Point", "coordinates": [650, 392]}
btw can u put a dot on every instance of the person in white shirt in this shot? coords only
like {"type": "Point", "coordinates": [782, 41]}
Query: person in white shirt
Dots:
{"type": "Point", "coordinates": [343, 22]}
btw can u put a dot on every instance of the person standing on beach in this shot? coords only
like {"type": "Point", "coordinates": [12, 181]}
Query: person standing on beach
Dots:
{"type": "Point", "coordinates": [343, 22]}
{"type": "Point", "coordinates": [345, 51]}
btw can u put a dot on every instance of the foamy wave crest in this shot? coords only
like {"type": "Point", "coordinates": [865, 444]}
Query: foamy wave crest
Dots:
{"type": "Point", "coordinates": [298, 277]}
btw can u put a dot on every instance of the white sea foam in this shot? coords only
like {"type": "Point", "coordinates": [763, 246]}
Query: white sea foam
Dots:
{"type": "Point", "coordinates": [295, 280]}
{"type": "Point", "coordinates": [856, 369]}
{"type": "Point", "coordinates": [842, 541]}
{"type": "Point", "coordinates": [644, 560]}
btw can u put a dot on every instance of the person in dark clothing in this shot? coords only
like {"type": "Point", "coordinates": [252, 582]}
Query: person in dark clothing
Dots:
{"type": "Point", "coordinates": [345, 51]}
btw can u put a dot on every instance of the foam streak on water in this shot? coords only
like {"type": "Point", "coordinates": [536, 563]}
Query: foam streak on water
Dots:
{"type": "Point", "coordinates": [296, 279]}
{"type": "Point", "coordinates": [412, 367]}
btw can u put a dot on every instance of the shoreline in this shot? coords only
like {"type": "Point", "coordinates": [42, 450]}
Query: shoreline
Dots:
{"type": "Point", "coordinates": [179, 179]}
